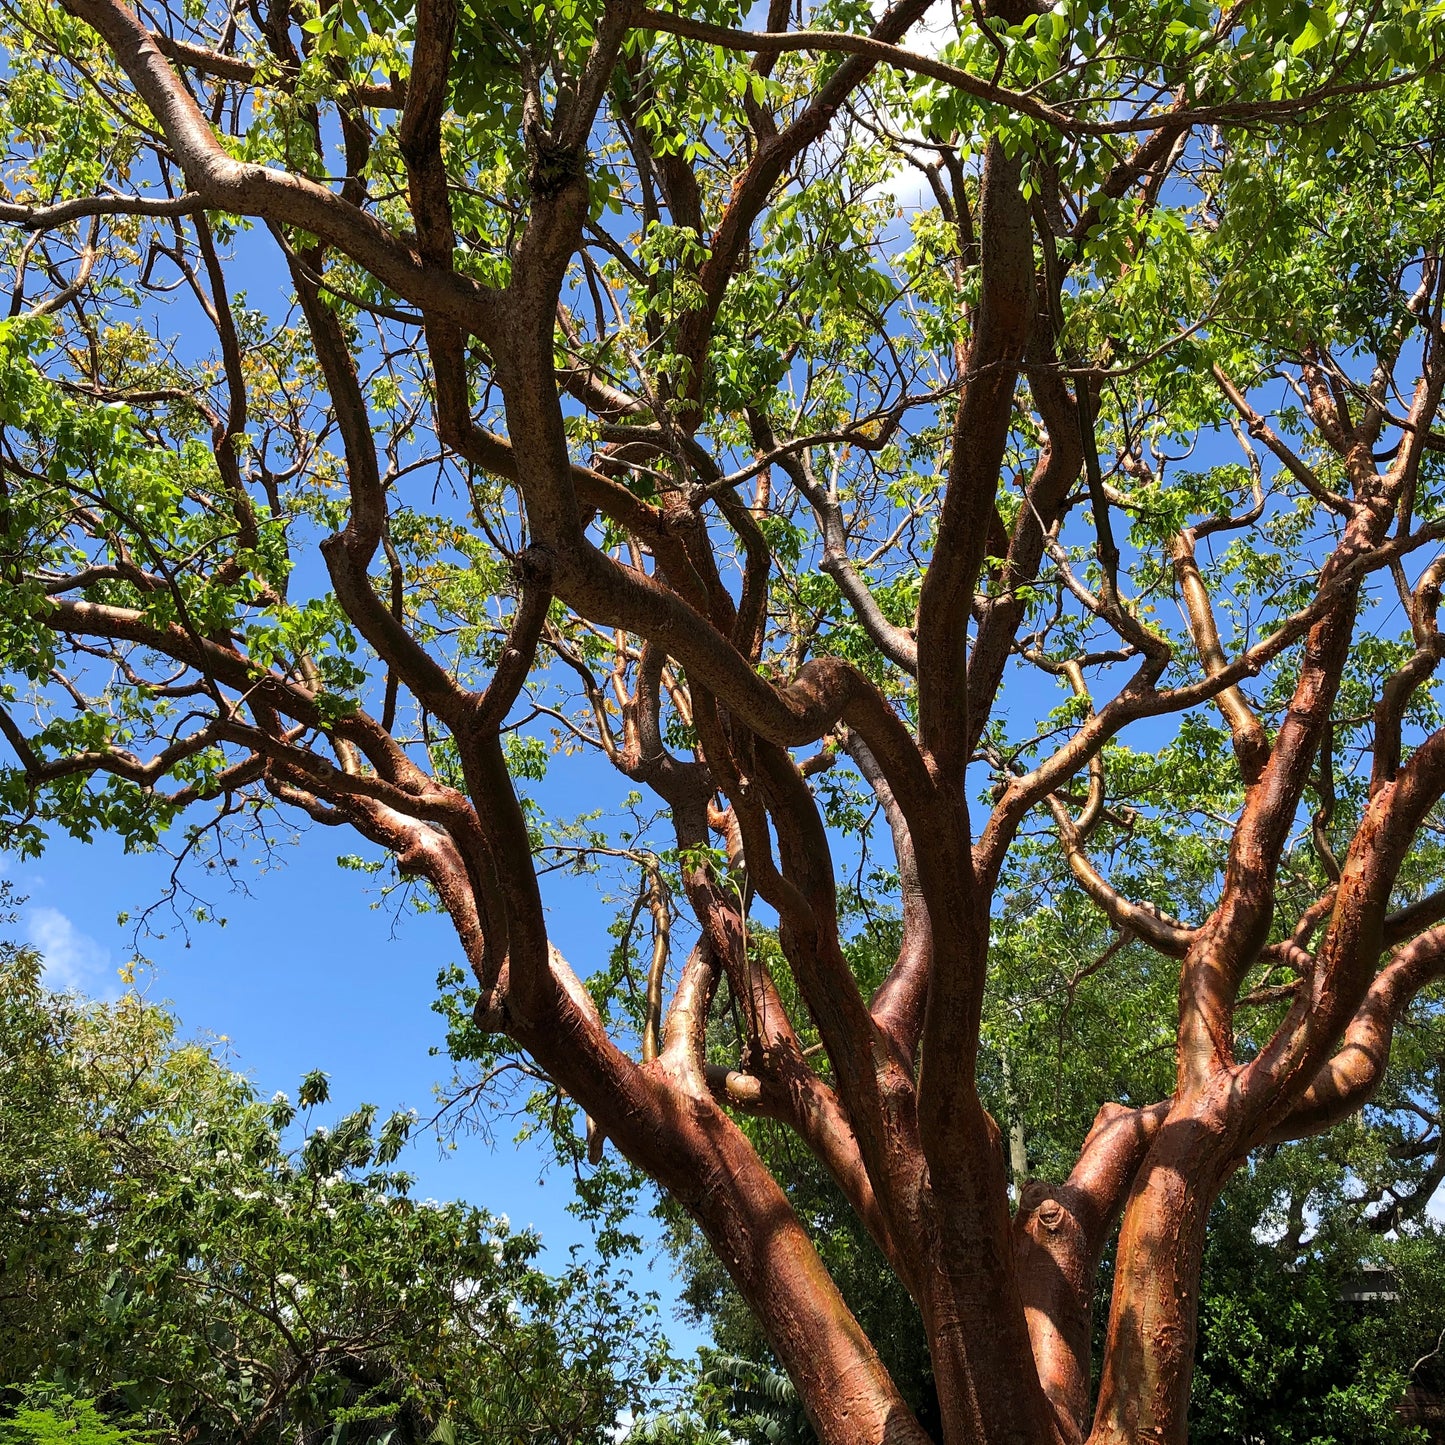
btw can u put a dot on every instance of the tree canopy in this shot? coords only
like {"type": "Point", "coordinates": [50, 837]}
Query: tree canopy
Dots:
{"type": "Point", "coordinates": [192, 1258]}
{"type": "Point", "coordinates": [957, 478]}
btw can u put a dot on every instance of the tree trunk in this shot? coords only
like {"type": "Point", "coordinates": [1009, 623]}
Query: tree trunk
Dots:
{"type": "Point", "coordinates": [1154, 1317]}
{"type": "Point", "coordinates": [845, 1389]}
{"type": "Point", "coordinates": [978, 1337]}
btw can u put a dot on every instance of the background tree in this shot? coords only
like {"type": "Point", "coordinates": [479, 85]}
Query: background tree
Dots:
{"type": "Point", "coordinates": [171, 1254]}
{"type": "Point", "coordinates": [44, 1416]}
{"type": "Point", "coordinates": [620, 401]}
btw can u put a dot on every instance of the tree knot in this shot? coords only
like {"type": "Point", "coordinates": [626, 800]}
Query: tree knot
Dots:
{"type": "Point", "coordinates": [536, 564]}
{"type": "Point", "coordinates": [554, 168]}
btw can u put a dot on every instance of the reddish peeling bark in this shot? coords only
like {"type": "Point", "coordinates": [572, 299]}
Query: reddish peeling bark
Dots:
{"type": "Point", "coordinates": [1060, 1235]}
{"type": "Point", "coordinates": [667, 1123]}
{"type": "Point", "coordinates": [1153, 1321]}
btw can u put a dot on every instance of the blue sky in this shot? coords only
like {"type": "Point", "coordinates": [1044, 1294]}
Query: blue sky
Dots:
{"type": "Point", "coordinates": [311, 970]}
{"type": "Point", "coordinates": [314, 968]}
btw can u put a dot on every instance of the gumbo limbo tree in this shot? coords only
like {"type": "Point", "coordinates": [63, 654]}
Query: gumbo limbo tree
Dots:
{"type": "Point", "coordinates": [1013, 426]}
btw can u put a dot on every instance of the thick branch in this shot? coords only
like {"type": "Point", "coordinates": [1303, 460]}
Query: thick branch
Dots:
{"type": "Point", "coordinates": [278, 196]}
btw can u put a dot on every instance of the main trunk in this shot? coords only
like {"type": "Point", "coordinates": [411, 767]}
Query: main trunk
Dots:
{"type": "Point", "coordinates": [1154, 1316]}
{"type": "Point", "coordinates": [988, 1384]}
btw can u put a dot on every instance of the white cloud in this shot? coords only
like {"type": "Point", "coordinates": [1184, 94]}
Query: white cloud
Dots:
{"type": "Point", "coordinates": [1436, 1208]}
{"type": "Point", "coordinates": [905, 184]}
{"type": "Point", "coordinates": [73, 960]}
{"type": "Point", "coordinates": [928, 34]}
{"type": "Point", "coordinates": [931, 33]}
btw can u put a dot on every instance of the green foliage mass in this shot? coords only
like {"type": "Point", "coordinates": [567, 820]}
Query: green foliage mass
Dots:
{"type": "Point", "coordinates": [43, 1415]}
{"type": "Point", "coordinates": [206, 1262]}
